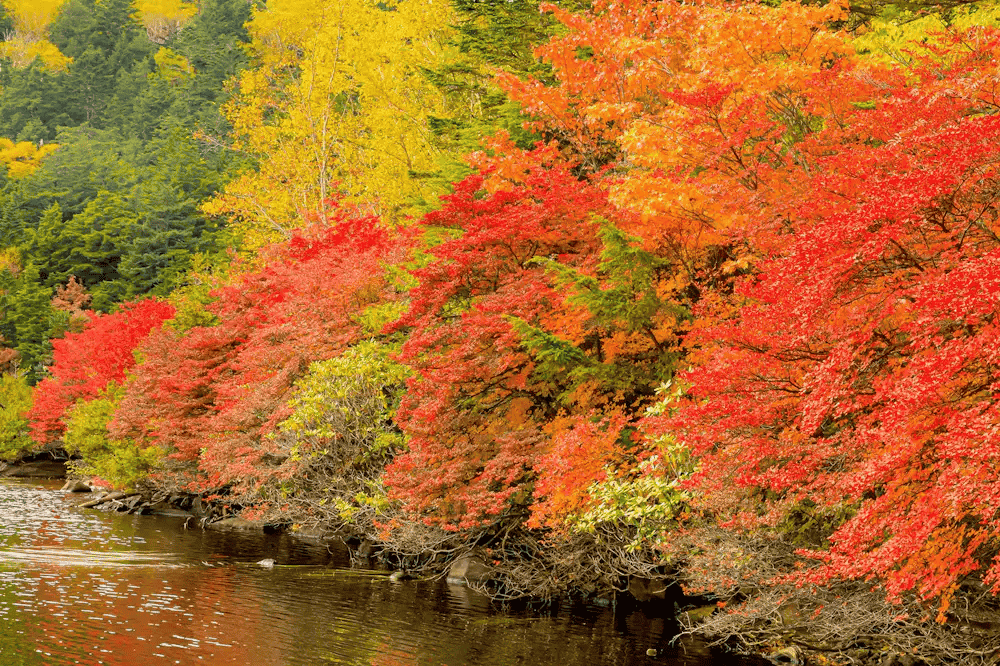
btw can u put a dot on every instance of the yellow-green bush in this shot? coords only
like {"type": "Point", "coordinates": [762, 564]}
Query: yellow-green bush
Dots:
{"type": "Point", "coordinates": [120, 462]}
{"type": "Point", "coordinates": [15, 400]}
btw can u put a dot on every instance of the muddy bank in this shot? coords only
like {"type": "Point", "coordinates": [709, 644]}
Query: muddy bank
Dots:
{"type": "Point", "coordinates": [45, 464]}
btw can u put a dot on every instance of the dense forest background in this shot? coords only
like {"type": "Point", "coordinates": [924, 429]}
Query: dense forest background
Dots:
{"type": "Point", "coordinates": [607, 294]}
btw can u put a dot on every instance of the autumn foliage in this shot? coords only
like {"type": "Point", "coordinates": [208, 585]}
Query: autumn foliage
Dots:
{"type": "Point", "coordinates": [746, 273]}
{"type": "Point", "coordinates": [836, 220]}
{"type": "Point", "coordinates": [857, 369]}
{"type": "Point", "coordinates": [476, 410]}
{"type": "Point", "coordinates": [207, 395]}
{"type": "Point", "coordinates": [85, 362]}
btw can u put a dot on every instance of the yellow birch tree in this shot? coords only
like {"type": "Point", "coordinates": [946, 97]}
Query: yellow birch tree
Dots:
{"type": "Point", "coordinates": [163, 18]}
{"type": "Point", "coordinates": [23, 158]}
{"type": "Point", "coordinates": [337, 107]}
{"type": "Point", "coordinates": [31, 33]}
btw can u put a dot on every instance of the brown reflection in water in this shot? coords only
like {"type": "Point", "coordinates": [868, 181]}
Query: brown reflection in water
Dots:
{"type": "Point", "coordinates": [100, 589]}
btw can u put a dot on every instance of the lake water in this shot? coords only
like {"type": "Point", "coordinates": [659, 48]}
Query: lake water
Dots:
{"type": "Point", "coordinates": [82, 586]}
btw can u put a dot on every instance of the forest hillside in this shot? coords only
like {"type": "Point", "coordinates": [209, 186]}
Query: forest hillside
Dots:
{"type": "Point", "coordinates": [610, 295]}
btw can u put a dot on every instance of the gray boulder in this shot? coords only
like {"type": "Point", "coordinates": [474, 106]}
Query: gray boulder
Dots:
{"type": "Point", "coordinates": [470, 568]}
{"type": "Point", "coordinates": [234, 525]}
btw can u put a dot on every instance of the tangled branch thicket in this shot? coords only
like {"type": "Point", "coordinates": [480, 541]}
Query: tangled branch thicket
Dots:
{"type": "Point", "coordinates": [528, 564]}
{"type": "Point", "coordinates": [847, 621]}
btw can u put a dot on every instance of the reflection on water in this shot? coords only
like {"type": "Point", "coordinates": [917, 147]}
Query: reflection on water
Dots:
{"type": "Point", "coordinates": [87, 587]}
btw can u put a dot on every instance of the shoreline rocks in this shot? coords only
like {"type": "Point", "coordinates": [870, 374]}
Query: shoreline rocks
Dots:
{"type": "Point", "coordinates": [468, 569]}
{"type": "Point", "coordinates": [471, 569]}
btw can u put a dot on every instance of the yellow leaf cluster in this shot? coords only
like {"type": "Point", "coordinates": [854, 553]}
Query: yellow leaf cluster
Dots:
{"type": "Point", "coordinates": [23, 158]}
{"type": "Point", "coordinates": [337, 108]}
{"type": "Point", "coordinates": [22, 52]}
{"type": "Point", "coordinates": [890, 37]}
{"type": "Point", "coordinates": [171, 65]}
{"type": "Point", "coordinates": [163, 18]}
{"type": "Point", "coordinates": [30, 38]}
{"type": "Point", "coordinates": [10, 260]}
{"type": "Point", "coordinates": [32, 17]}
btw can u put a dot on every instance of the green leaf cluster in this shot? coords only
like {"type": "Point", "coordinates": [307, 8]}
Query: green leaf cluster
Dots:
{"type": "Point", "coordinates": [623, 295]}
{"type": "Point", "coordinates": [639, 510]}
{"type": "Point", "coordinates": [27, 319]}
{"type": "Point", "coordinates": [122, 217]}
{"type": "Point", "coordinates": [114, 81]}
{"type": "Point", "coordinates": [15, 400]}
{"type": "Point", "coordinates": [343, 407]}
{"type": "Point", "coordinates": [117, 205]}
{"type": "Point", "coordinates": [490, 36]}
{"type": "Point", "coordinates": [121, 462]}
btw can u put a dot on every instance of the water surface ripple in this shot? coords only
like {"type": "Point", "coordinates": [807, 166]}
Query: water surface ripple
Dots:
{"type": "Point", "coordinates": [86, 587]}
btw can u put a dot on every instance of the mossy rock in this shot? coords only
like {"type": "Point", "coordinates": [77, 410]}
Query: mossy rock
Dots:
{"type": "Point", "coordinates": [700, 614]}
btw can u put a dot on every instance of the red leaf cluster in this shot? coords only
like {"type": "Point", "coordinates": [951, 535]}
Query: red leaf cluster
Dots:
{"type": "Point", "coordinates": [860, 366]}
{"type": "Point", "coordinates": [474, 412]}
{"type": "Point", "coordinates": [85, 362]}
{"type": "Point", "coordinates": [209, 394]}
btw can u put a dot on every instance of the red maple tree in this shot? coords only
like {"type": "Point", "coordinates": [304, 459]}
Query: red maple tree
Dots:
{"type": "Point", "coordinates": [477, 409]}
{"type": "Point", "coordinates": [209, 394]}
{"type": "Point", "coordinates": [858, 369]}
{"type": "Point", "coordinates": [85, 362]}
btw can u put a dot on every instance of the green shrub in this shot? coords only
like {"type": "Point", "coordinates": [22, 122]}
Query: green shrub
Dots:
{"type": "Point", "coordinates": [342, 409]}
{"type": "Point", "coordinates": [120, 462]}
{"type": "Point", "coordinates": [15, 400]}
